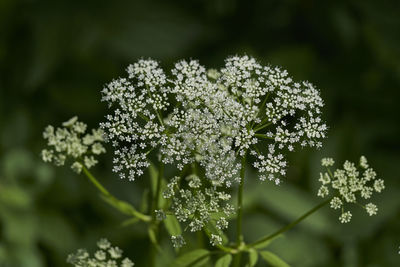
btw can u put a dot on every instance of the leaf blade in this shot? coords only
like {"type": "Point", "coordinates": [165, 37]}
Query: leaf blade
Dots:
{"type": "Point", "coordinates": [253, 258]}
{"type": "Point", "coordinates": [193, 258]}
{"type": "Point", "coordinates": [172, 225]}
{"type": "Point", "coordinates": [273, 259]}
{"type": "Point", "coordinates": [224, 261]}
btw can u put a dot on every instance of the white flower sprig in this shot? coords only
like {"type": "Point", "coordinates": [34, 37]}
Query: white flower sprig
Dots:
{"type": "Point", "coordinates": [72, 141]}
{"type": "Point", "coordinates": [219, 115]}
{"type": "Point", "coordinates": [210, 119]}
{"type": "Point", "coordinates": [196, 205]}
{"type": "Point", "coordinates": [105, 256]}
{"type": "Point", "coordinates": [349, 183]}
{"type": "Point", "coordinates": [135, 127]}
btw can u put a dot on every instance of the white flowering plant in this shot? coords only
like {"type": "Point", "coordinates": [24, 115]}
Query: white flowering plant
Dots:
{"type": "Point", "coordinates": [206, 126]}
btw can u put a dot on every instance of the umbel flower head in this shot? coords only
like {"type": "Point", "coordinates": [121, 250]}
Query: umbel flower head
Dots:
{"type": "Point", "coordinates": [348, 185]}
{"type": "Point", "coordinates": [197, 204]}
{"type": "Point", "coordinates": [217, 116]}
{"type": "Point", "coordinates": [105, 256]}
{"type": "Point", "coordinates": [72, 141]}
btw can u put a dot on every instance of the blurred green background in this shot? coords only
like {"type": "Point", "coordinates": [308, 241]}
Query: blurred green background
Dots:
{"type": "Point", "coordinates": [55, 57]}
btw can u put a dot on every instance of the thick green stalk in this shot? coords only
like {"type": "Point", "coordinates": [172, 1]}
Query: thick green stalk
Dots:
{"type": "Point", "coordinates": [239, 233]}
{"type": "Point", "coordinates": [156, 199]}
{"type": "Point", "coordinates": [122, 206]}
{"type": "Point", "coordinates": [154, 206]}
{"type": "Point", "coordinates": [290, 225]}
{"type": "Point", "coordinates": [95, 182]}
{"type": "Point", "coordinates": [263, 136]}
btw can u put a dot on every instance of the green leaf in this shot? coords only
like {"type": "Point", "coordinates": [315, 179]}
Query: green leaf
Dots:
{"type": "Point", "coordinates": [224, 261]}
{"type": "Point", "coordinates": [14, 197]}
{"type": "Point", "coordinates": [273, 259]}
{"type": "Point", "coordinates": [172, 225]}
{"type": "Point", "coordinates": [211, 228]}
{"type": "Point", "coordinates": [290, 203]}
{"type": "Point", "coordinates": [253, 258]}
{"type": "Point", "coordinates": [195, 258]}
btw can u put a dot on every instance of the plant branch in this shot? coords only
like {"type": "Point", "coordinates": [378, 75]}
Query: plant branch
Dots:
{"type": "Point", "coordinates": [94, 181]}
{"type": "Point", "coordinates": [240, 203]}
{"type": "Point", "coordinates": [122, 206]}
{"type": "Point", "coordinates": [290, 225]}
{"type": "Point", "coordinates": [153, 228]}
{"type": "Point", "coordinates": [263, 136]}
{"type": "Point", "coordinates": [262, 127]}
{"type": "Point", "coordinates": [156, 199]}
{"type": "Point", "coordinates": [239, 234]}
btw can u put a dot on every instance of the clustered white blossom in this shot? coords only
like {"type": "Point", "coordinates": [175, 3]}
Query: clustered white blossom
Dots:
{"type": "Point", "coordinates": [209, 118]}
{"type": "Point", "coordinates": [178, 241]}
{"type": "Point", "coordinates": [349, 183]}
{"type": "Point", "coordinates": [72, 141]}
{"type": "Point", "coordinates": [197, 205]}
{"type": "Point", "coordinates": [105, 256]}
{"type": "Point", "coordinates": [136, 127]}
{"type": "Point", "coordinates": [219, 115]}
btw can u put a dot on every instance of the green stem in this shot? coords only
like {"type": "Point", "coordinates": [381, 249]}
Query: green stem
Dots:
{"type": "Point", "coordinates": [239, 234]}
{"type": "Point", "coordinates": [123, 207]}
{"type": "Point", "coordinates": [290, 225]}
{"type": "Point", "coordinates": [156, 199]}
{"type": "Point", "coordinates": [262, 127]}
{"type": "Point", "coordinates": [154, 206]}
{"type": "Point", "coordinates": [94, 181]}
{"type": "Point", "coordinates": [263, 136]}
{"type": "Point", "coordinates": [261, 108]}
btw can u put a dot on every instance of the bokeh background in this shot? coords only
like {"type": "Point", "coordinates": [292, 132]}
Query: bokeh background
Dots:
{"type": "Point", "coordinates": [55, 57]}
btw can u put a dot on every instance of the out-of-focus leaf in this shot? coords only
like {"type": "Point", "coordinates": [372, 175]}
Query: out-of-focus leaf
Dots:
{"type": "Point", "coordinates": [224, 261]}
{"type": "Point", "coordinates": [289, 202]}
{"type": "Point", "coordinates": [55, 232]}
{"type": "Point", "coordinates": [172, 225]}
{"type": "Point", "coordinates": [17, 163]}
{"type": "Point", "coordinates": [273, 259]}
{"type": "Point", "coordinates": [297, 245]}
{"type": "Point", "coordinates": [19, 228]}
{"type": "Point", "coordinates": [253, 258]}
{"type": "Point", "coordinates": [195, 258]}
{"type": "Point", "coordinates": [14, 197]}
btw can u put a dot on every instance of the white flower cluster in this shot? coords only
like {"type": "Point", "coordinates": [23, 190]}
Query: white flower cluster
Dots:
{"type": "Point", "coordinates": [136, 126]}
{"type": "Point", "coordinates": [178, 241]}
{"type": "Point", "coordinates": [72, 141]}
{"type": "Point", "coordinates": [105, 256]}
{"type": "Point", "coordinates": [219, 115]}
{"type": "Point", "coordinates": [347, 183]}
{"type": "Point", "coordinates": [196, 204]}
